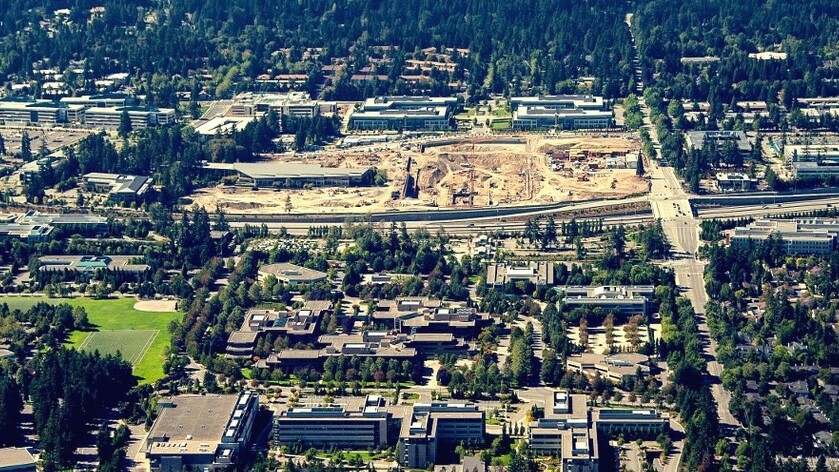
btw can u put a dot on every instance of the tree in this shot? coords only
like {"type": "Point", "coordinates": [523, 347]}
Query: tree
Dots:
{"type": "Point", "coordinates": [11, 405]}
{"type": "Point", "coordinates": [124, 124]}
{"type": "Point", "coordinates": [609, 327]}
{"type": "Point", "coordinates": [583, 333]}
{"type": "Point", "coordinates": [2, 146]}
{"type": "Point", "coordinates": [288, 205]}
{"type": "Point", "coordinates": [639, 165]}
{"type": "Point", "coordinates": [25, 146]}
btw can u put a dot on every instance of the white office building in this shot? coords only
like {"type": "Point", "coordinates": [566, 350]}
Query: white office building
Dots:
{"type": "Point", "coordinates": [800, 236]}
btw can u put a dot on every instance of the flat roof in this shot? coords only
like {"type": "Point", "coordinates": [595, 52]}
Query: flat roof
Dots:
{"type": "Point", "coordinates": [279, 170]}
{"type": "Point", "coordinates": [15, 457]}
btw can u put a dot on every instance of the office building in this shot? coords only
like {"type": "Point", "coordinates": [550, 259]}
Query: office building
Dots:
{"type": "Point", "coordinates": [462, 322]}
{"type": "Point", "coordinates": [615, 367]}
{"type": "Point", "coordinates": [404, 113]}
{"type": "Point", "coordinates": [536, 273]}
{"type": "Point", "coordinates": [120, 188]}
{"type": "Point", "coordinates": [28, 232]}
{"type": "Point", "coordinates": [16, 459]}
{"type": "Point", "coordinates": [106, 100]}
{"type": "Point", "coordinates": [735, 182]}
{"type": "Point", "coordinates": [41, 112]}
{"type": "Point", "coordinates": [533, 118]}
{"type": "Point", "coordinates": [432, 428]}
{"type": "Point", "coordinates": [68, 221]}
{"type": "Point", "coordinates": [290, 175]}
{"type": "Point", "coordinates": [699, 139]}
{"type": "Point", "coordinates": [90, 264]}
{"type": "Point", "coordinates": [569, 112]}
{"type": "Point", "coordinates": [205, 432]}
{"type": "Point", "coordinates": [140, 116]}
{"type": "Point", "coordinates": [812, 160]}
{"type": "Point", "coordinates": [361, 424]}
{"type": "Point", "coordinates": [573, 429]}
{"type": "Point", "coordinates": [29, 170]}
{"type": "Point", "coordinates": [293, 104]}
{"type": "Point", "coordinates": [296, 325]}
{"type": "Point", "coordinates": [566, 428]}
{"type": "Point", "coordinates": [626, 299]}
{"type": "Point", "coordinates": [800, 236]}
{"type": "Point", "coordinates": [291, 273]}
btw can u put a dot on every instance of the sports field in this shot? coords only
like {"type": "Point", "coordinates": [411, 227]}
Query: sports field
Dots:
{"type": "Point", "coordinates": [140, 336]}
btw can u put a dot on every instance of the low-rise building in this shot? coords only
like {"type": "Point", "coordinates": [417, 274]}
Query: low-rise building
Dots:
{"type": "Point", "coordinates": [361, 424]}
{"type": "Point", "coordinates": [626, 299]}
{"type": "Point", "coordinates": [291, 175]}
{"type": "Point", "coordinates": [699, 139]}
{"type": "Point", "coordinates": [536, 273]}
{"type": "Point", "coordinates": [207, 432]}
{"type": "Point", "coordinates": [430, 427]}
{"type": "Point", "coordinates": [561, 112]}
{"type": "Point", "coordinates": [297, 325]}
{"type": "Point", "coordinates": [800, 236]}
{"type": "Point", "coordinates": [291, 273]}
{"type": "Point", "coordinates": [16, 459]}
{"type": "Point", "coordinates": [735, 182]}
{"type": "Point", "coordinates": [120, 188]}
{"type": "Point", "coordinates": [104, 100]}
{"type": "Point", "coordinates": [404, 113]}
{"type": "Point", "coordinates": [90, 264]}
{"type": "Point", "coordinates": [615, 367]}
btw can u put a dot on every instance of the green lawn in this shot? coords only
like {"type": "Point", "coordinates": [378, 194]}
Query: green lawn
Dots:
{"type": "Point", "coordinates": [117, 326]}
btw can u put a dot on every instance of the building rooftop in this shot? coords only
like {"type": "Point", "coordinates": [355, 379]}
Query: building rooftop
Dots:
{"type": "Point", "coordinates": [278, 170]}
{"type": "Point", "coordinates": [15, 457]}
{"type": "Point", "coordinates": [291, 272]}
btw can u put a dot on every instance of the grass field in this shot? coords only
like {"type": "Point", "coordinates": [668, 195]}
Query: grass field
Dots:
{"type": "Point", "coordinates": [140, 336]}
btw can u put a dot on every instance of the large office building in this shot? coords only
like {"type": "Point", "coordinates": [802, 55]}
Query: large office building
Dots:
{"type": "Point", "coordinates": [290, 175]}
{"type": "Point", "coordinates": [433, 427]}
{"type": "Point", "coordinates": [33, 233]}
{"type": "Point", "coordinates": [140, 116]}
{"type": "Point", "coordinates": [65, 221]}
{"type": "Point", "coordinates": [570, 112]}
{"type": "Point", "coordinates": [626, 299]}
{"type": "Point", "coordinates": [291, 273]}
{"type": "Point", "coordinates": [800, 236]}
{"type": "Point", "coordinates": [573, 429]}
{"type": "Point", "coordinates": [105, 100]}
{"type": "Point", "coordinates": [536, 273]}
{"type": "Point", "coordinates": [119, 187]}
{"type": "Point", "coordinates": [42, 112]}
{"type": "Point", "coordinates": [404, 113]}
{"type": "Point", "coordinates": [204, 432]}
{"type": "Point", "coordinates": [293, 104]}
{"type": "Point", "coordinates": [361, 424]}
{"type": "Point", "coordinates": [735, 182]}
{"type": "Point", "coordinates": [813, 160]}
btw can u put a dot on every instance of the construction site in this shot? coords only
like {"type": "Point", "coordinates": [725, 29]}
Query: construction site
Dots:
{"type": "Point", "coordinates": [457, 172]}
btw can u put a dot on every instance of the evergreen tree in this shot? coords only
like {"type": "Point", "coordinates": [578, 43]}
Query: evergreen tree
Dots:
{"type": "Point", "coordinates": [124, 124]}
{"type": "Point", "coordinates": [25, 147]}
{"type": "Point", "coordinates": [2, 146]}
{"type": "Point", "coordinates": [639, 166]}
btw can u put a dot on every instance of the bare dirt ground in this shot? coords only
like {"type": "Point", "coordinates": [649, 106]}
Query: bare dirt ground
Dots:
{"type": "Point", "coordinates": [156, 305]}
{"type": "Point", "coordinates": [457, 175]}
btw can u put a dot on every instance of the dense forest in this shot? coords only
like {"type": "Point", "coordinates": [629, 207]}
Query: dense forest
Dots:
{"type": "Point", "coordinates": [537, 43]}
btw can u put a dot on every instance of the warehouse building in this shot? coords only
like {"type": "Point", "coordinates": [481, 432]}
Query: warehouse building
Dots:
{"type": "Point", "coordinates": [626, 299]}
{"type": "Point", "coordinates": [404, 113]}
{"type": "Point", "coordinates": [800, 236]}
{"type": "Point", "coordinates": [205, 432]}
